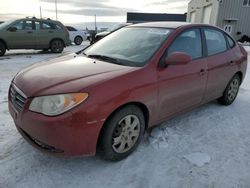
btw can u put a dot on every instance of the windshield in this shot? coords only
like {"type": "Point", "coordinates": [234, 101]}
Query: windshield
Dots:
{"type": "Point", "coordinates": [115, 27]}
{"type": "Point", "coordinates": [3, 25]}
{"type": "Point", "coordinates": [131, 46]}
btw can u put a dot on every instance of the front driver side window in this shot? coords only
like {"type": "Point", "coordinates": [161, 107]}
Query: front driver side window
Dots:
{"type": "Point", "coordinates": [188, 42]}
{"type": "Point", "coordinates": [19, 25]}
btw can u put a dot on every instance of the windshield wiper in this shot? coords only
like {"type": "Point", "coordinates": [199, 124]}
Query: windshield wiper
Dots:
{"type": "Point", "coordinates": [85, 54]}
{"type": "Point", "coordinates": [106, 58]}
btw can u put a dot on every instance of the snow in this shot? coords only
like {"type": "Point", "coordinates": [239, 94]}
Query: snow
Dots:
{"type": "Point", "coordinates": [206, 147]}
{"type": "Point", "coordinates": [247, 47]}
{"type": "Point", "coordinates": [199, 159]}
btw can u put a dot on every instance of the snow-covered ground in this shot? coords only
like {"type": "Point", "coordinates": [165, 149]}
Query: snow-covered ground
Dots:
{"type": "Point", "coordinates": [207, 147]}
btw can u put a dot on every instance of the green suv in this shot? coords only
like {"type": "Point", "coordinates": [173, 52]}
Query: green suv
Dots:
{"type": "Point", "coordinates": [33, 33]}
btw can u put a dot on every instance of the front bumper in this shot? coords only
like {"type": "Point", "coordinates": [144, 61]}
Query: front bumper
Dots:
{"type": "Point", "coordinates": [69, 134]}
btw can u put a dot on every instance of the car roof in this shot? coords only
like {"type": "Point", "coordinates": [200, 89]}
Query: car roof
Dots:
{"type": "Point", "coordinates": [38, 19]}
{"type": "Point", "coordinates": [172, 25]}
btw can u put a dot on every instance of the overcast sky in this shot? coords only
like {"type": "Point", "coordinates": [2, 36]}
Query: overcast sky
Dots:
{"type": "Point", "coordinates": [79, 11]}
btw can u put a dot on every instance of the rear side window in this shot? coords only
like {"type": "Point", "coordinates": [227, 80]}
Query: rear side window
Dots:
{"type": "Point", "coordinates": [188, 42]}
{"type": "Point", "coordinates": [46, 25]}
{"type": "Point", "coordinates": [37, 25]}
{"type": "Point", "coordinates": [28, 25]}
{"type": "Point", "coordinates": [230, 41]}
{"type": "Point", "coordinates": [58, 26]}
{"type": "Point", "coordinates": [55, 26]}
{"type": "Point", "coordinates": [216, 42]}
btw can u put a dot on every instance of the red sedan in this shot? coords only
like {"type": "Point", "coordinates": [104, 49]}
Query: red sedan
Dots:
{"type": "Point", "coordinates": [105, 97]}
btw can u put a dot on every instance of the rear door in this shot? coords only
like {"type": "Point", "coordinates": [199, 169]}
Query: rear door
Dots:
{"type": "Point", "coordinates": [183, 86]}
{"type": "Point", "coordinates": [221, 62]}
{"type": "Point", "coordinates": [47, 32]}
{"type": "Point", "coordinates": [23, 37]}
{"type": "Point", "coordinates": [44, 34]}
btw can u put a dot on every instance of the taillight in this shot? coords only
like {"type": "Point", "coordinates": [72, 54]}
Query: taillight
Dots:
{"type": "Point", "coordinates": [66, 31]}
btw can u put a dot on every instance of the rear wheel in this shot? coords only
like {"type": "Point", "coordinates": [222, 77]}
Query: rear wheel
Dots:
{"type": "Point", "coordinates": [231, 91]}
{"type": "Point", "coordinates": [57, 46]}
{"type": "Point", "coordinates": [78, 40]}
{"type": "Point", "coordinates": [122, 133]}
{"type": "Point", "coordinates": [2, 48]}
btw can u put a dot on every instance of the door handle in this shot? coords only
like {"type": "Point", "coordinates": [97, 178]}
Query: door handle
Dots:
{"type": "Point", "coordinates": [231, 63]}
{"type": "Point", "coordinates": [29, 32]}
{"type": "Point", "coordinates": [51, 31]}
{"type": "Point", "coordinates": [202, 72]}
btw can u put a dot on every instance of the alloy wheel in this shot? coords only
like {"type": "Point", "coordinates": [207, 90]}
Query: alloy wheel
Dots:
{"type": "Point", "coordinates": [78, 40]}
{"type": "Point", "coordinates": [126, 134]}
{"type": "Point", "coordinates": [233, 89]}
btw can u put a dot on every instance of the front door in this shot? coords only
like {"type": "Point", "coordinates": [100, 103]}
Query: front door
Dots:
{"type": "Point", "coordinates": [46, 32]}
{"type": "Point", "coordinates": [182, 86]}
{"type": "Point", "coordinates": [23, 37]}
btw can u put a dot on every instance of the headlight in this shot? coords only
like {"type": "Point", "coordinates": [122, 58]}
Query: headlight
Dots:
{"type": "Point", "coordinates": [56, 104]}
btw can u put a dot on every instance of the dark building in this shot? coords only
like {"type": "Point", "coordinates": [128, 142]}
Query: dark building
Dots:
{"type": "Point", "coordinates": [134, 17]}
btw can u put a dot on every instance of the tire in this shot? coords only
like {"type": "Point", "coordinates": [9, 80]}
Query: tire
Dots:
{"type": "Point", "coordinates": [56, 46]}
{"type": "Point", "coordinates": [231, 91]}
{"type": "Point", "coordinates": [2, 48]}
{"type": "Point", "coordinates": [78, 40]}
{"type": "Point", "coordinates": [122, 133]}
{"type": "Point", "coordinates": [45, 51]}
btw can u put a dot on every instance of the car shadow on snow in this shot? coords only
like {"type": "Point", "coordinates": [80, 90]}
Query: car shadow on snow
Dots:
{"type": "Point", "coordinates": [17, 54]}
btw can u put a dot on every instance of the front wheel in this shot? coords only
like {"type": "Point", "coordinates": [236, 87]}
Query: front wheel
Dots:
{"type": "Point", "coordinates": [78, 40]}
{"type": "Point", "coordinates": [57, 46]}
{"type": "Point", "coordinates": [122, 133]}
{"type": "Point", "coordinates": [2, 49]}
{"type": "Point", "coordinates": [231, 91]}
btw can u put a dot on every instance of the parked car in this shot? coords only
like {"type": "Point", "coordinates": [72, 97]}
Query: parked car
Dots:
{"type": "Point", "coordinates": [101, 35]}
{"type": "Point", "coordinates": [76, 36]}
{"type": "Point", "coordinates": [33, 33]}
{"type": "Point", "coordinates": [105, 97]}
{"type": "Point", "coordinates": [90, 35]}
{"type": "Point", "coordinates": [244, 39]}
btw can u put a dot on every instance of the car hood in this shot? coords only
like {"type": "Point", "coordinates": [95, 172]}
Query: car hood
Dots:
{"type": "Point", "coordinates": [104, 33]}
{"type": "Point", "coordinates": [43, 78]}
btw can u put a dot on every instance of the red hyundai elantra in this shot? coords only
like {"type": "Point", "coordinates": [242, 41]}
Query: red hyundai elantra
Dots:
{"type": "Point", "coordinates": [104, 97]}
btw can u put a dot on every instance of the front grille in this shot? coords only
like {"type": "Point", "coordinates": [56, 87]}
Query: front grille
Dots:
{"type": "Point", "coordinates": [17, 97]}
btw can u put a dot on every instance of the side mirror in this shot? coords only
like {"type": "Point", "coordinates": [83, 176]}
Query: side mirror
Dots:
{"type": "Point", "coordinates": [178, 58]}
{"type": "Point", "coordinates": [12, 29]}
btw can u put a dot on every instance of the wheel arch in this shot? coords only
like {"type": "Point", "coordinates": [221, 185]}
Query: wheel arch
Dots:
{"type": "Point", "coordinates": [240, 74]}
{"type": "Point", "coordinates": [5, 44]}
{"type": "Point", "coordinates": [78, 36]}
{"type": "Point", "coordinates": [140, 105]}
